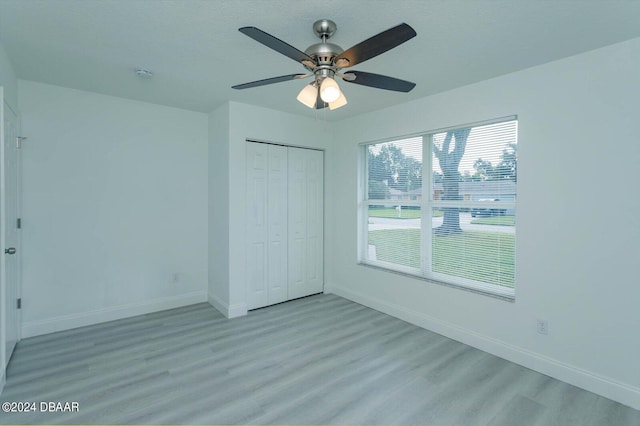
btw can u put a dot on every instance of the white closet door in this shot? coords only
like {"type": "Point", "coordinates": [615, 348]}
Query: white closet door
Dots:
{"type": "Point", "coordinates": [297, 222]}
{"type": "Point", "coordinates": [277, 222]}
{"type": "Point", "coordinates": [315, 222]}
{"type": "Point", "coordinates": [266, 224]}
{"type": "Point", "coordinates": [305, 222]}
{"type": "Point", "coordinates": [257, 230]}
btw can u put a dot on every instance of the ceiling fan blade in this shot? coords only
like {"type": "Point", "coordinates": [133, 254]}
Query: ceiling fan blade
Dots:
{"type": "Point", "coordinates": [269, 81]}
{"type": "Point", "coordinates": [376, 45]}
{"type": "Point", "coordinates": [379, 81]}
{"type": "Point", "coordinates": [275, 44]}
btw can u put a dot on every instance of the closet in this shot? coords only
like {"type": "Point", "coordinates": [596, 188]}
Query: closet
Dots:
{"type": "Point", "coordinates": [284, 234]}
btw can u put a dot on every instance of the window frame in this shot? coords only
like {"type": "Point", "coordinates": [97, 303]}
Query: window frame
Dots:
{"type": "Point", "coordinates": [426, 205]}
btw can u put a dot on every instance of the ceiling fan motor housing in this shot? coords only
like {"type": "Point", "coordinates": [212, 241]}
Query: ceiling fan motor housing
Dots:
{"type": "Point", "coordinates": [323, 53]}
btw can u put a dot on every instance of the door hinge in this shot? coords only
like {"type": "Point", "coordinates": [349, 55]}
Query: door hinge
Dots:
{"type": "Point", "coordinates": [19, 140]}
{"type": "Point", "coordinates": [19, 303]}
{"type": "Point", "coordinates": [19, 223]}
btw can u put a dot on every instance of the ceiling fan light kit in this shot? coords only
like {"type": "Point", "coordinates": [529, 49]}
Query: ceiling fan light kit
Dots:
{"type": "Point", "coordinates": [308, 95]}
{"type": "Point", "coordinates": [341, 101]}
{"type": "Point", "coordinates": [325, 60]}
{"type": "Point", "coordinates": [329, 90]}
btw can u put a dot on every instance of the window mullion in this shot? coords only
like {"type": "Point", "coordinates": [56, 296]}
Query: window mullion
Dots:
{"type": "Point", "coordinates": [364, 209]}
{"type": "Point", "coordinates": [427, 211]}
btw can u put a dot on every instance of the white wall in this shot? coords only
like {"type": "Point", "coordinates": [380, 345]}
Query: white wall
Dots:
{"type": "Point", "coordinates": [8, 79]}
{"type": "Point", "coordinates": [114, 207]}
{"type": "Point", "coordinates": [261, 124]}
{"type": "Point", "coordinates": [219, 208]}
{"type": "Point", "coordinates": [578, 221]}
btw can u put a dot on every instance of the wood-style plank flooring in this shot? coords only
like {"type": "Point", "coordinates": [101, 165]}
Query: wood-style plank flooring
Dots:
{"type": "Point", "coordinates": [318, 360]}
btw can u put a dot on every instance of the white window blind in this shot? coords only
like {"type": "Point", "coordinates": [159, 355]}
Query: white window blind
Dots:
{"type": "Point", "coordinates": [394, 210]}
{"type": "Point", "coordinates": [443, 206]}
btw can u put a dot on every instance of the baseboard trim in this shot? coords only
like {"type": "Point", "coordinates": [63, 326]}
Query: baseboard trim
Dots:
{"type": "Point", "coordinates": [67, 322]}
{"type": "Point", "coordinates": [609, 388]}
{"type": "Point", "coordinates": [229, 311]}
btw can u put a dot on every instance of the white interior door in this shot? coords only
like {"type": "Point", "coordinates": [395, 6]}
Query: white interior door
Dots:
{"type": "Point", "coordinates": [257, 229]}
{"type": "Point", "coordinates": [297, 223]}
{"type": "Point", "coordinates": [315, 222]}
{"type": "Point", "coordinates": [277, 286]}
{"type": "Point", "coordinates": [9, 238]}
{"type": "Point", "coordinates": [266, 224]}
{"type": "Point", "coordinates": [306, 257]}
{"type": "Point", "coordinates": [284, 237]}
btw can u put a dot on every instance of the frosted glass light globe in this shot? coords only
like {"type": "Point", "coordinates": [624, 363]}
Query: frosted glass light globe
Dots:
{"type": "Point", "coordinates": [329, 90]}
{"type": "Point", "coordinates": [308, 95]}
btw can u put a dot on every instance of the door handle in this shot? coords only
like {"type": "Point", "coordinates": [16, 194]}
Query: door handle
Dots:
{"type": "Point", "coordinates": [10, 250]}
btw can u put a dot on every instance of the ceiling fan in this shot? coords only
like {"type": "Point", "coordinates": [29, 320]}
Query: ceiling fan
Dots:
{"type": "Point", "coordinates": [326, 60]}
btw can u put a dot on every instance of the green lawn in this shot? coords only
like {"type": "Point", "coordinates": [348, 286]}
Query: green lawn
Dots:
{"type": "Point", "coordinates": [401, 246]}
{"type": "Point", "coordinates": [482, 256]}
{"type": "Point", "coordinates": [392, 213]}
{"type": "Point", "coordinates": [495, 220]}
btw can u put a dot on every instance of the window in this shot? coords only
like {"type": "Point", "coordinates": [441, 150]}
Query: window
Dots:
{"type": "Point", "coordinates": [443, 206]}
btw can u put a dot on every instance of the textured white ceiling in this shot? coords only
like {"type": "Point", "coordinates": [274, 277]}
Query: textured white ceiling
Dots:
{"type": "Point", "coordinates": [197, 53]}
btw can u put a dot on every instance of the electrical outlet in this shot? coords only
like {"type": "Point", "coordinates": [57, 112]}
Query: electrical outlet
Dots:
{"type": "Point", "coordinates": [543, 327]}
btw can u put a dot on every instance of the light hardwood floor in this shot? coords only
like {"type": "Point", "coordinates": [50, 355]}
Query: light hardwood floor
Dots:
{"type": "Point", "coordinates": [318, 360]}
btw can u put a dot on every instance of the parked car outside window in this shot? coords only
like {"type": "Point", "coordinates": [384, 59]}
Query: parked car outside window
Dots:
{"type": "Point", "coordinates": [483, 211]}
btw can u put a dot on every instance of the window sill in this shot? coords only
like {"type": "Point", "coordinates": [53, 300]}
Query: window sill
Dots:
{"type": "Point", "coordinates": [508, 295]}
